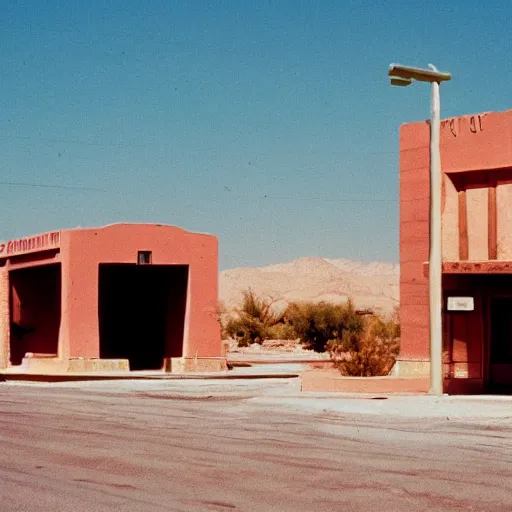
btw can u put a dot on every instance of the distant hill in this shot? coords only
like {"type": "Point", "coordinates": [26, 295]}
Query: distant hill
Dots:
{"type": "Point", "coordinates": [371, 285]}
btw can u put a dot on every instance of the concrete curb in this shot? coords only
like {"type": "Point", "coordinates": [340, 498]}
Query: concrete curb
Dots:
{"type": "Point", "coordinates": [253, 362]}
{"type": "Point", "coordinates": [27, 377]}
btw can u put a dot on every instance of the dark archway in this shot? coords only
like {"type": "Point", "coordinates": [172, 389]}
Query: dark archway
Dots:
{"type": "Point", "coordinates": [35, 296]}
{"type": "Point", "coordinates": [142, 313]}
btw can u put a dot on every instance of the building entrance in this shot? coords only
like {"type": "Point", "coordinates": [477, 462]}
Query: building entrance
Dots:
{"type": "Point", "coordinates": [142, 313]}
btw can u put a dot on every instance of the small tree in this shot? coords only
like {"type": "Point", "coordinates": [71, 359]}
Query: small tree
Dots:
{"type": "Point", "coordinates": [317, 323]}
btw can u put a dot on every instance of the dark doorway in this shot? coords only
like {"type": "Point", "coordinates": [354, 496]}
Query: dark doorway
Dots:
{"type": "Point", "coordinates": [501, 345]}
{"type": "Point", "coordinates": [35, 297]}
{"type": "Point", "coordinates": [142, 313]}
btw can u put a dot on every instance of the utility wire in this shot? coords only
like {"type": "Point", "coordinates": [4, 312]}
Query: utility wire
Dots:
{"type": "Point", "coordinates": [147, 144]}
{"type": "Point", "coordinates": [73, 141]}
{"type": "Point", "coordinates": [43, 185]}
{"type": "Point", "coordinates": [210, 198]}
{"type": "Point", "coordinates": [330, 199]}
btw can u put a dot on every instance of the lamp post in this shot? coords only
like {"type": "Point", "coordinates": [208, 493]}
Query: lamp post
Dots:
{"type": "Point", "coordinates": [404, 76]}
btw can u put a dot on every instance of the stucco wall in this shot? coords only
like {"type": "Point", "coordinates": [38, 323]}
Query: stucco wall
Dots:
{"type": "Point", "coordinates": [475, 142]}
{"type": "Point", "coordinates": [414, 241]}
{"type": "Point", "coordinates": [481, 142]}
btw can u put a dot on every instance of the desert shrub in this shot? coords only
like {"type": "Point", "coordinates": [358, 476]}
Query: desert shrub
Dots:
{"type": "Point", "coordinates": [257, 320]}
{"type": "Point", "coordinates": [245, 330]}
{"type": "Point", "coordinates": [369, 353]}
{"type": "Point", "coordinates": [318, 323]}
{"type": "Point", "coordinates": [358, 346]}
{"type": "Point", "coordinates": [282, 331]}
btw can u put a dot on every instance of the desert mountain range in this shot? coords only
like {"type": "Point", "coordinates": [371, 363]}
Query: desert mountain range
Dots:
{"type": "Point", "coordinates": [370, 285]}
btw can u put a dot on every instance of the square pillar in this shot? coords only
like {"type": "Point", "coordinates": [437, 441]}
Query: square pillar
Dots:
{"type": "Point", "coordinates": [79, 332]}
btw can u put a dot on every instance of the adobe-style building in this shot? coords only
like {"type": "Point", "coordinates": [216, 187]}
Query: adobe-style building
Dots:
{"type": "Point", "coordinates": [476, 157]}
{"type": "Point", "coordinates": [125, 296]}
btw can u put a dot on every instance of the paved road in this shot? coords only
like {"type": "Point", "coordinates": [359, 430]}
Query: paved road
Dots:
{"type": "Point", "coordinates": [142, 448]}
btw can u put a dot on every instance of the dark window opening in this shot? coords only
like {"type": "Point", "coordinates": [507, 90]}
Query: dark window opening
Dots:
{"type": "Point", "coordinates": [144, 258]}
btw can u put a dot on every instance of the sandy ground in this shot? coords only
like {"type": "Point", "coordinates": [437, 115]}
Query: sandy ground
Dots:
{"type": "Point", "coordinates": [187, 446]}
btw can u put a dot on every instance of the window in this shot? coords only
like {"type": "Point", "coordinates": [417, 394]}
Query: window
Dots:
{"type": "Point", "coordinates": [144, 258]}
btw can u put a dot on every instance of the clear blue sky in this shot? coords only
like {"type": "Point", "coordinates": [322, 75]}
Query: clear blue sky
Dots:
{"type": "Point", "coordinates": [268, 123]}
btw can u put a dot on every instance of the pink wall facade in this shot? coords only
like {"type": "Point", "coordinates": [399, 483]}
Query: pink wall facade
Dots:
{"type": "Point", "coordinates": [81, 251]}
{"type": "Point", "coordinates": [476, 158]}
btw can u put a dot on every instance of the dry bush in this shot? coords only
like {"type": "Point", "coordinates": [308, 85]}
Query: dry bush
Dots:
{"type": "Point", "coordinates": [317, 323]}
{"type": "Point", "coordinates": [282, 331]}
{"type": "Point", "coordinates": [257, 320]}
{"type": "Point", "coordinates": [371, 353]}
{"type": "Point", "coordinates": [358, 346]}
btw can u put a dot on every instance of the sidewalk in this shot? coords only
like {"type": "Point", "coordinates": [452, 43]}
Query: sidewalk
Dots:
{"type": "Point", "coordinates": [323, 381]}
{"type": "Point", "coordinates": [489, 408]}
{"type": "Point", "coordinates": [278, 371]}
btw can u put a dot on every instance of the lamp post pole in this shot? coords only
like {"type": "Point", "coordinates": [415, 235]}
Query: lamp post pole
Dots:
{"type": "Point", "coordinates": [403, 76]}
{"type": "Point", "coordinates": [435, 257]}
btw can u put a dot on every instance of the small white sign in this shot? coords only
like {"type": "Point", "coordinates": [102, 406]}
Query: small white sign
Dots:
{"type": "Point", "coordinates": [461, 304]}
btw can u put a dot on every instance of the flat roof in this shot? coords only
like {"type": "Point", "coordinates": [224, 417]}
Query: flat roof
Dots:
{"type": "Point", "coordinates": [51, 239]}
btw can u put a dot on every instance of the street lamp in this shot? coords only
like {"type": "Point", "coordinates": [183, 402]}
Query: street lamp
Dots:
{"type": "Point", "coordinates": [404, 76]}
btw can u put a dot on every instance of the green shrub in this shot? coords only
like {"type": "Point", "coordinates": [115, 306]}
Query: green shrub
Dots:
{"type": "Point", "coordinates": [318, 323]}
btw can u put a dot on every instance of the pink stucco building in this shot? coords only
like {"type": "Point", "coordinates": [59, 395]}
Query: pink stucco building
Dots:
{"type": "Point", "coordinates": [476, 156]}
{"type": "Point", "coordinates": [125, 296]}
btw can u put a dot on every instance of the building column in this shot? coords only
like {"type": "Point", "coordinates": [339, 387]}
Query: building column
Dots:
{"type": "Point", "coordinates": [79, 333]}
{"type": "Point", "coordinates": [463, 226]}
{"type": "Point", "coordinates": [492, 230]}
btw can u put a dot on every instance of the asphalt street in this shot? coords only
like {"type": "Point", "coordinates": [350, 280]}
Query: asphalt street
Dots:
{"type": "Point", "coordinates": [145, 447]}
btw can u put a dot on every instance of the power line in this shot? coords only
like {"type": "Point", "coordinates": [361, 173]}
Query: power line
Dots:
{"type": "Point", "coordinates": [43, 185]}
{"type": "Point", "coordinates": [146, 143]}
{"type": "Point", "coordinates": [73, 141]}
{"type": "Point", "coordinates": [131, 144]}
{"type": "Point", "coordinates": [219, 199]}
{"type": "Point", "coordinates": [331, 199]}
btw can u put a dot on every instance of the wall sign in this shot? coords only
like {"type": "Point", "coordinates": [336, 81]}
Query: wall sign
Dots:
{"type": "Point", "coordinates": [31, 244]}
{"type": "Point", "coordinates": [457, 125]}
{"type": "Point", "coordinates": [461, 304]}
